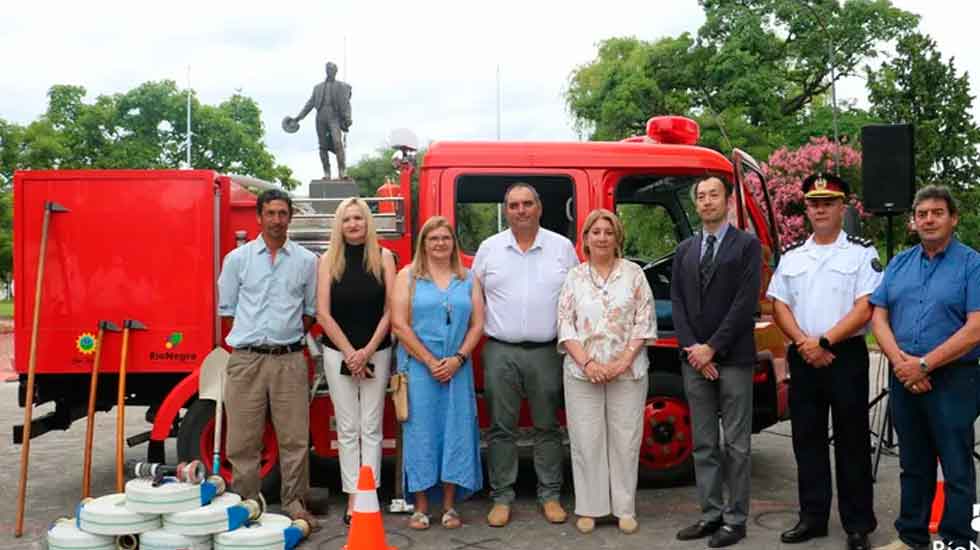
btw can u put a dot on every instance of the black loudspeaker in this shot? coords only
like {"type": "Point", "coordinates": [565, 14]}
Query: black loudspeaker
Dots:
{"type": "Point", "coordinates": [888, 167]}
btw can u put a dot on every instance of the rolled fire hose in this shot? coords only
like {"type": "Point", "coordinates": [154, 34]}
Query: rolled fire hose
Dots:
{"type": "Point", "coordinates": [270, 532]}
{"type": "Point", "coordinates": [64, 534]}
{"type": "Point", "coordinates": [161, 539]}
{"type": "Point", "coordinates": [108, 515]}
{"type": "Point", "coordinates": [226, 512]}
{"type": "Point", "coordinates": [146, 496]}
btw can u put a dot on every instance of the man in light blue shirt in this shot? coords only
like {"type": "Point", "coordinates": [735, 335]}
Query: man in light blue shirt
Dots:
{"type": "Point", "coordinates": [267, 293]}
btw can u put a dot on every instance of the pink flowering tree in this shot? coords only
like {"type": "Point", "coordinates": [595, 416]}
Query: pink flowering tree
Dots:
{"type": "Point", "coordinates": [785, 173]}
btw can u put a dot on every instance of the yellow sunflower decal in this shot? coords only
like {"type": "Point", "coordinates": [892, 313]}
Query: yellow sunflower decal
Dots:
{"type": "Point", "coordinates": [85, 343]}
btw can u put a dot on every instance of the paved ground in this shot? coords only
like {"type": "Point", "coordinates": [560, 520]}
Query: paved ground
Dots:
{"type": "Point", "coordinates": [55, 477]}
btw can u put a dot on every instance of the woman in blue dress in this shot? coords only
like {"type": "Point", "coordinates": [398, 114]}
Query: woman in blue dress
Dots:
{"type": "Point", "coordinates": [437, 315]}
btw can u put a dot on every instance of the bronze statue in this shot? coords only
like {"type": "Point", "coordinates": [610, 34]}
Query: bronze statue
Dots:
{"type": "Point", "coordinates": [331, 98]}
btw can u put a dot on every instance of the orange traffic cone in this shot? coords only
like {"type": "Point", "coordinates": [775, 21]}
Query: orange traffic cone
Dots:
{"type": "Point", "coordinates": [366, 529]}
{"type": "Point", "coordinates": [938, 501]}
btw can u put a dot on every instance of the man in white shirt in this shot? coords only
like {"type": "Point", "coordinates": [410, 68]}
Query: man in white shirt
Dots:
{"type": "Point", "coordinates": [522, 270]}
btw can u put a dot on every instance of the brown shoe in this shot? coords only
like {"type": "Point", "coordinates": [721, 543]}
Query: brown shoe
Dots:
{"type": "Point", "coordinates": [499, 515]}
{"type": "Point", "coordinates": [296, 510]}
{"type": "Point", "coordinates": [554, 512]}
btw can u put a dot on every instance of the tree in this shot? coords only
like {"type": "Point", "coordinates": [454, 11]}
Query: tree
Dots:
{"type": "Point", "coordinates": [371, 171]}
{"type": "Point", "coordinates": [6, 239]}
{"type": "Point", "coordinates": [917, 86]}
{"type": "Point", "coordinates": [146, 127]}
{"type": "Point", "coordinates": [612, 96]}
{"type": "Point", "coordinates": [785, 172]}
{"type": "Point", "coordinates": [754, 77]}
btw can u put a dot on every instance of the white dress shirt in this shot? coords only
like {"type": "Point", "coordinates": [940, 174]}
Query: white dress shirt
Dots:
{"type": "Point", "coordinates": [521, 288]}
{"type": "Point", "coordinates": [821, 283]}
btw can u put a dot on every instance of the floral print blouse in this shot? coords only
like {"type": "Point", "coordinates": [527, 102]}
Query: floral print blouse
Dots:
{"type": "Point", "coordinates": [604, 316]}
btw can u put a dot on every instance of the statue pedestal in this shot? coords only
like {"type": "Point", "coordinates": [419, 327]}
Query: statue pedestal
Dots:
{"type": "Point", "coordinates": [331, 189]}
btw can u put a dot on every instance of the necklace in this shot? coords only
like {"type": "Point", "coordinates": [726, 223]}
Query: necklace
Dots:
{"type": "Point", "coordinates": [604, 282]}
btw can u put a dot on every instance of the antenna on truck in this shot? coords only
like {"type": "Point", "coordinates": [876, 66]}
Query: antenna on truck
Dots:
{"type": "Point", "coordinates": [189, 117]}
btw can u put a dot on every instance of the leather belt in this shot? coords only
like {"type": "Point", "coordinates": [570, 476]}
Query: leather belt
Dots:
{"type": "Point", "coordinates": [274, 350]}
{"type": "Point", "coordinates": [526, 345]}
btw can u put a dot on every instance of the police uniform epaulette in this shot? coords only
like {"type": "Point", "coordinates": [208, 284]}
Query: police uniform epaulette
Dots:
{"type": "Point", "coordinates": [866, 243]}
{"type": "Point", "coordinates": [793, 245]}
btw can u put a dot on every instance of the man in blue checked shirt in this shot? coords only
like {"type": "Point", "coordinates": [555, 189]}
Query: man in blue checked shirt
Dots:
{"type": "Point", "coordinates": [927, 321]}
{"type": "Point", "coordinates": [267, 292]}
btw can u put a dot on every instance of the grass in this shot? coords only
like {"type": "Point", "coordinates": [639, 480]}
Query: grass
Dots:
{"type": "Point", "coordinates": [6, 310]}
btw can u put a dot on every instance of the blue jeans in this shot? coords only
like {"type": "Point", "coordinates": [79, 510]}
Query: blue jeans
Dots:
{"type": "Point", "coordinates": [937, 423]}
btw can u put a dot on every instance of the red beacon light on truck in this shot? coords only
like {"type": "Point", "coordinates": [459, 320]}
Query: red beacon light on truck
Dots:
{"type": "Point", "coordinates": [673, 129]}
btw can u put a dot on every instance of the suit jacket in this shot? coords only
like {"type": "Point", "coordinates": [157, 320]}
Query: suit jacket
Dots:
{"type": "Point", "coordinates": [339, 103]}
{"type": "Point", "coordinates": [723, 317]}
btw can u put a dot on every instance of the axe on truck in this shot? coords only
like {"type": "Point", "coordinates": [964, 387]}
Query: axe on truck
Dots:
{"type": "Point", "coordinates": [25, 448]}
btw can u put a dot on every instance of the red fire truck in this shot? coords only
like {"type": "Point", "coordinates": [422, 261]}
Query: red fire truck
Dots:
{"type": "Point", "coordinates": [147, 245]}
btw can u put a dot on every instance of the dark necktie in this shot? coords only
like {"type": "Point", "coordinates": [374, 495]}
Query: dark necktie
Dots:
{"type": "Point", "coordinates": [707, 262]}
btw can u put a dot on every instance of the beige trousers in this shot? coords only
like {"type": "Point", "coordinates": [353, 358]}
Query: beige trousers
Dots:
{"type": "Point", "coordinates": [605, 425]}
{"type": "Point", "coordinates": [258, 382]}
{"type": "Point", "coordinates": [358, 406]}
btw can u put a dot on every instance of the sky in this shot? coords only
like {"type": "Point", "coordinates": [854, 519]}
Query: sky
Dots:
{"type": "Point", "coordinates": [429, 66]}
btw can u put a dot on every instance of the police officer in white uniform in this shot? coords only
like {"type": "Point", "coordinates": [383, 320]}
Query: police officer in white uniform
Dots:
{"type": "Point", "coordinates": [820, 297]}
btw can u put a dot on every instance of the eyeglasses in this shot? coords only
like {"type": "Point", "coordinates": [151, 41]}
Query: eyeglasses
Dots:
{"type": "Point", "coordinates": [439, 239]}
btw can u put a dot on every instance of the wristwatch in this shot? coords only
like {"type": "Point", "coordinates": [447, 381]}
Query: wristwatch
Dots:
{"type": "Point", "coordinates": [825, 343]}
{"type": "Point", "coordinates": [923, 366]}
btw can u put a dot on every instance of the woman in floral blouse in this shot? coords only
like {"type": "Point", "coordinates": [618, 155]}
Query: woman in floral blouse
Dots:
{"type": "Point", "coordinates": [605, 319]}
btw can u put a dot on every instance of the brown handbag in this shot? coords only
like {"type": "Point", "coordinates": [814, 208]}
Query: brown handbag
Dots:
{"type": "Point", "coordinates": [398, 385]}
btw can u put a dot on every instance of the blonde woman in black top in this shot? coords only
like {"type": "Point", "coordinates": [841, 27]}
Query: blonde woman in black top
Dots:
{"type": "Point", "coordinates": [352, 307]}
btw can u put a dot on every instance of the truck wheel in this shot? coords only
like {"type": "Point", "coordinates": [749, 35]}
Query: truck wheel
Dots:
{"type": "Point", "coordinates": [666, 450]}
{"type": "Point", "coordinates": [195, 440]}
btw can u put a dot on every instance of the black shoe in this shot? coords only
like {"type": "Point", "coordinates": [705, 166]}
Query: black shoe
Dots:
{"type": "Point", "coordinates": [727, 536]}
{"type": "Point", "coordinates": [804, 531]}
{"type": "Point", "coordinates": [858, 541]}
{"type": "Point", "coordinates": [699, 530]}
{"type": "Point", "coordinates": [347, 518]}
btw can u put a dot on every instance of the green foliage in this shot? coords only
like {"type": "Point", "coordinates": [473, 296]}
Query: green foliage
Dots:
{"type": "Point", "coordinates": [630, 79]}
{"type": "Point", "coordinates": [6, 236]}
{"type": "Point", "coordinates": [917, 86]}
{"type": "Point", "coordinates": [145, 127]}
{"type": "Point", "coordinates": [755, 77]}
{"type": "Point", "coordinates": [372, 170]}
{"type": "Point", "coordinates": [650, 231]}
{"type": "Point", "coordinates": [475, 222]}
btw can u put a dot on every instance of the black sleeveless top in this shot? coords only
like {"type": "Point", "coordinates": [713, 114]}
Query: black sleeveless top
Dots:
{"type": "Point", "coordinates": [357, 301]}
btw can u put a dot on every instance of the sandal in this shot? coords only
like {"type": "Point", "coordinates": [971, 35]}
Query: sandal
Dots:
{"type": "Point", "coordinates": [450, 519]}
{"type": "Point", "coordinates": [419, 521]}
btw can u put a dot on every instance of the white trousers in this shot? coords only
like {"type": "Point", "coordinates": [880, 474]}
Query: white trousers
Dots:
{"type": "Point", "coordinates": [605, 426]}
{"type": "Point", "coordinates": [358, 406]}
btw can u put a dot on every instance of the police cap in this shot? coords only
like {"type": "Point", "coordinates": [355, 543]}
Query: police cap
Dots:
{"type": "Point", "coordinates": [825, 186]}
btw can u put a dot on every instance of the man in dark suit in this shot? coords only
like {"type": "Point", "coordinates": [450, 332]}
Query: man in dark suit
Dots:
{"type": "Point", "coordinates": [331, 99]}
{"type": "Point", "coordinates": [715, 291]}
